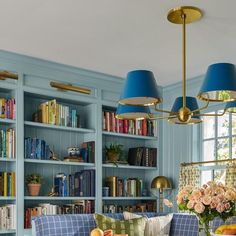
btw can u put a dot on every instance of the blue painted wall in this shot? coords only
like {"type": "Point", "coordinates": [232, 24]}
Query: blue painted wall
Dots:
{"type": "Point", "coordinates": [176, 143]}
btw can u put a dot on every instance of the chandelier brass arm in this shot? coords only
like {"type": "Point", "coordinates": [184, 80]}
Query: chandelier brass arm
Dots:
{"type": "Point", "coordinates": [207, 114]}
{"type": "Point", "coordinates": [162, 117]}
{"type": "Point", "coordinates": [164, 111]}
{"type": "Point", "coordinates": [202, 108]}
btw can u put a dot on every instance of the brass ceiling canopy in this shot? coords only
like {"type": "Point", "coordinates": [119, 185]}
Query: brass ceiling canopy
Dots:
{"type": "Point", "coordinates": [175, 15]}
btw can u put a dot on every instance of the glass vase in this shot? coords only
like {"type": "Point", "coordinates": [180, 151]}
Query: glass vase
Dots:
{"type": "Point", "coordinates": [205, 228]}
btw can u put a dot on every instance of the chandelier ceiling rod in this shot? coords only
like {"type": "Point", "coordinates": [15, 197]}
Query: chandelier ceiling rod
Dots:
{"type": "Point", "coordinates": [183, 16]}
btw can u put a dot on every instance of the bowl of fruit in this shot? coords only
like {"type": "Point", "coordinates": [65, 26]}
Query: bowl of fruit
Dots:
{"type": "Point", "coordinates": [225, 230]}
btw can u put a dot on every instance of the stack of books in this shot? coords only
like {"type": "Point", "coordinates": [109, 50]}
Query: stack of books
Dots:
{"type": "Point", "coordinates": [78, 207]}
{"type": "Point", "coordinates": [135, 127]}
{"type": "Point", "coordinates": [87, 151]}
{"type": "Point", "coordinates": [124, 187]}
{"type": "Point", "coordinates": [141, 207]}
{"type": "Point", "coordinates": [8, 217]}
{"type": "Point", "coordinates": [7, 143]}
{"type": "Point", "coordinates": [142, 156]}
{"type": "Point", "coordinates": [7, 184]}
{"type": "Point", "coordinates": [7, 108]}
{"type": "Point", "coordinates": [80, 184]}
{"type": "Point", "coordinates": [53, 113]}
{"type": "Point", "coordinates": [36, 149]}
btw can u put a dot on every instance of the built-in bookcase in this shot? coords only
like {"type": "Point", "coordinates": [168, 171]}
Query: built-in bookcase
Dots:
{"type": "Point", "coordinates": [58, 138]}
{"type": "Point", "coordinates": [8, 163]}
{"type": "Point", "coordinates": [32, 89]}
{"type": "Point", "coordinates": [145, 173]}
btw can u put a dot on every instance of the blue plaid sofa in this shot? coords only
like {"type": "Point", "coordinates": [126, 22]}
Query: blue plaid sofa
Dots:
{"type": "Point", "coordinates": [81, 225]}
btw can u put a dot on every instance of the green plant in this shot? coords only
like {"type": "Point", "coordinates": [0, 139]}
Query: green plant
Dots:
{"type": "Point", "coordinates": [33, 179]}
{"type": "Point", "coordinates": [115, 149]}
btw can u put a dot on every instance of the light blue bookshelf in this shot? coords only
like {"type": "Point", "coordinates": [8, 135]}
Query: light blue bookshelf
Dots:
{"type": "Point", "coordinates": [43, 198]}
{"type": "Point", "coordinates": [120, 166]}
{"type": "Point", "coordinates": [33, 88]}
{"type": "Point", "coordinates": [128, 198]}
{"type": "Point", "coordinates": [57, 127]}
{"type": "Point", "coordinates": [7, 160]}
{"type": "Point", "coordinates": [128, 136]}
{"type": "Point", "coordinates": [61, 163]}
{"type": "Point", "coordinates": [7, 121]}
{"type": "Point", "coordinates": [7, 232]}
{"type": "Point", "coordinates": [7, 198]}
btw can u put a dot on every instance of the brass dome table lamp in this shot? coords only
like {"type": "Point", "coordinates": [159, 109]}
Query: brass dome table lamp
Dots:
{"type": "Point", "coordinates": [161, 183]}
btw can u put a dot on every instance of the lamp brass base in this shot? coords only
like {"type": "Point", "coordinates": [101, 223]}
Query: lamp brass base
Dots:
{"type": "Point", "coordinates": [192, 14]}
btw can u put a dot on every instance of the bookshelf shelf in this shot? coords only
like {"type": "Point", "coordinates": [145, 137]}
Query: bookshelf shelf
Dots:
{"type": "Point", "coordinates": [129, 136]}
{"type": "Point", "coordinates": [27, 232]}
{"type": "Point", "coordinates": [58, 198]}
{"type": "Point", "coordinates": [7, 121]}
{"type": "Point", "coordinates": [128, 198]}
{"type": "Point", "coordinates": [48, 162]}
{"type": "Point", "coordinates": [7, 159]}
{"type": "Point", "coordinates": [57, 127]}
{"type": "Point", "coordinates": [7, 198]}
{"type": "Point", "coordinates": [128, 167]}
{"type": "Point", "coordinates": [7, 232]}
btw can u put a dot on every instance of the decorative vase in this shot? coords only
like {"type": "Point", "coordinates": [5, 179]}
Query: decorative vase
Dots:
{"type": "Point", "coordinates": [34, 189]}
{"type": "Point", "coordinates": [205, 227]}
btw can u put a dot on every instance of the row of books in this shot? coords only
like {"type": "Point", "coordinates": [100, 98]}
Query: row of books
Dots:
{"type": "Point", "coordinates": [124, 187]}
{"type": "Point", "coordinates": [7, 108]}
{"type": "Point", "coordinates": [78, 207]}
{"type": "Point", "coordinates": [7, 143]}
{"type": "Point", "coordinates": [7, 184]}
{"type": "Point", "coordinates": [142, 156]}
{"type": "Point", "coordinates": [8, 217]}
{"type": "Point", "coordinates": [51, 112]}
{"type": "Point", "coordinates": [135, 127]}
{"type": "Point", "coordinates": [141, 207]}
{"type": "Point", "coordinates": [87, 152]}
{"type": "Point", "coordinates": [81, 184]}
{"type": "Point", "coordinates": [36, 149]}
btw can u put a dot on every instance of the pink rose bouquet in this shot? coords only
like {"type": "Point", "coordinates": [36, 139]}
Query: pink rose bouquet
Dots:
{"type": "Point", "coordinates": [207, 202]}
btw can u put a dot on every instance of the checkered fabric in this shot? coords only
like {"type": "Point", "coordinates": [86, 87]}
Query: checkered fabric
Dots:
{"type": "Point", "coordinates": [217, 222]}
{"type": "Point", "coordinates": [81, 225]}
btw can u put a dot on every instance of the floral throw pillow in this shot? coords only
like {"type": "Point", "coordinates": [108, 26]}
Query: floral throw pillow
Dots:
{"type": "Point", "coordinates": [155, 226]}
{"type": "Point", "coordinates": [132, 227]}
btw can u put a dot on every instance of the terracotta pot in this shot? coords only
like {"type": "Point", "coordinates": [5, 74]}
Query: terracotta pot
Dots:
{"type": "Point", "coordinates": [34, 189]}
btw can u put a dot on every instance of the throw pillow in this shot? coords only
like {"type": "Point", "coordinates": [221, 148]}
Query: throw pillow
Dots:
{"type": "Point", "coordinates": [155, 226]}
{"type": "Point", "coordinates": [132, 227]}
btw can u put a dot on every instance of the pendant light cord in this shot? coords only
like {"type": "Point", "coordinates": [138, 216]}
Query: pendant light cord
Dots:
{"type": "Point", "coordinates": [184, 59]}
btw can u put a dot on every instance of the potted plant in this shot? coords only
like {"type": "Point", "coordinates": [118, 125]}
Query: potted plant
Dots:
{"type": "Point", "coordinates": [114, 152]}
{"type": "Point", "coordinates": [33, 182]}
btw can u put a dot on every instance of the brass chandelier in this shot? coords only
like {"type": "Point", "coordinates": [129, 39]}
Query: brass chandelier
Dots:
{"type": "Point", "coordinates": [140, 90]}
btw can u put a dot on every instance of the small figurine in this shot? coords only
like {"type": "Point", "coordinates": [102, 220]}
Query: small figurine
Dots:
{"type": "Point", "coordinates": [52, 193]}
{"type": "Point", "coordinates": [53, 156]}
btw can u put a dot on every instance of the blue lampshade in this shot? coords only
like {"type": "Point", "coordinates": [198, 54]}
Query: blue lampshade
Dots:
{"type": "Point", "coordinates": [191, 104]}
{"type": "Point", "coordinates": [231, 107]}
{"type": "Point", "coordinates": [132, 112]}
{"type": "Point", "coordinates": [219, 84]}
{"type": "Point", "coordinates": [140, 89]}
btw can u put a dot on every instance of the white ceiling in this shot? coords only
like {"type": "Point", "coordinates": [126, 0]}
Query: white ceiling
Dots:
{"type": "Point", "coordinates": [116, 36]}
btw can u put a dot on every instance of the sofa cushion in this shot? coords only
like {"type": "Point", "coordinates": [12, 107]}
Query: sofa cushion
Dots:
{"type": "Point", "coordinates": [132, 227]}
{"type": "Point", "coordinates": [155, 226]}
